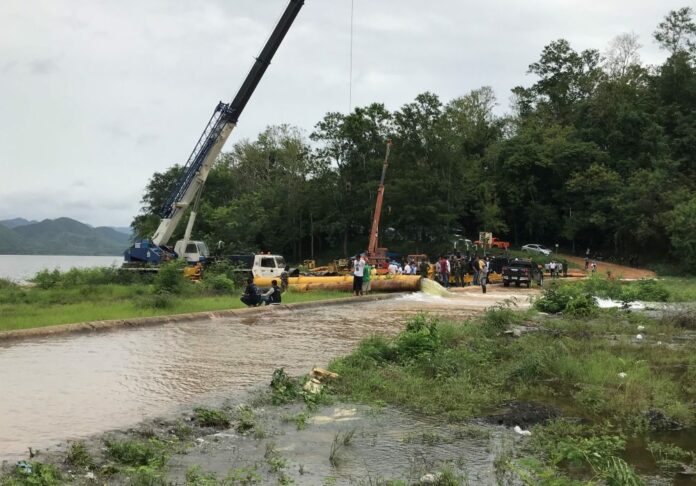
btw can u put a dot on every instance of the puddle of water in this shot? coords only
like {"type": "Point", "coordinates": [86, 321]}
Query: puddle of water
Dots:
{"type": "Point", "coordinates": [75, 385]}
{"type": "Point", "coordinates": [386, 444]}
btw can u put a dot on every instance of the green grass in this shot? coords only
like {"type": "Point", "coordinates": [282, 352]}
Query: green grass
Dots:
{"type": "Point", "coordinates": [22, 308]}
{"type": "Point", "coordinates": [681, 289]}
{"type": "Point", "coordinates": [463, 370]}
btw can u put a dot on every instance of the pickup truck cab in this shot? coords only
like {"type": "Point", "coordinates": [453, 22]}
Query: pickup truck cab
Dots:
{"type": "Point", "coordinates": [520, 272]}
{"type": "Point", "coordinates": [258, 264]}
{"type": "Point", "coordinates": [194, 252]}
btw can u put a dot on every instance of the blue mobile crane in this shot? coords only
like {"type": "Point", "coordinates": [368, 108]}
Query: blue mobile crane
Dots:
{"type": "Point", "coordinates": [189, 187]}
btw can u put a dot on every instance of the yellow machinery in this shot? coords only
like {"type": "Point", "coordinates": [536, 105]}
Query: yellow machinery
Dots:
{"type": "Point", "coordinates": [380, 283]}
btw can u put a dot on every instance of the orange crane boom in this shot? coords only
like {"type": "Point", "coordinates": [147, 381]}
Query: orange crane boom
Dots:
{"type": "Point", "coordinates": [372, 247]}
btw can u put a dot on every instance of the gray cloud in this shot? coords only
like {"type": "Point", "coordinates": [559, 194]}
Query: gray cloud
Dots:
{"type": "Point", "coordinates": [107, 93]}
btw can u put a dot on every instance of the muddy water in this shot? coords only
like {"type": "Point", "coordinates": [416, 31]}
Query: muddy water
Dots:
{"type": "Point", "coordinates": [75, 385]}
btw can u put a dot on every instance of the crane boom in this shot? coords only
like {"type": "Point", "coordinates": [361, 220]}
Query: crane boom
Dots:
{"type": "Point", "coordinates": [374, 234]}
{"type": "Point", "coordinates": [217, 131]}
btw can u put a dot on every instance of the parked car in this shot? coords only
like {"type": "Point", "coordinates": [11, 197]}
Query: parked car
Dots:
{"type": "Point", "coordinates": [536, 248]}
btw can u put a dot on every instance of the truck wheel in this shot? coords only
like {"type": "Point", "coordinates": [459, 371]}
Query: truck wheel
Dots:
{"type": "Point", "coordinates": [517, 284]}
{"type": "Point", "coordinates": [529, 284]}
{"type": "Point", "coordinates": [506, 284]}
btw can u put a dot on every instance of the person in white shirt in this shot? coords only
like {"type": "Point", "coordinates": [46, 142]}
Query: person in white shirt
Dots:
{"type": "Point", "coordinates": [392, 268]}
{"type": "Point", "coordinates": [407, 269]}
{"type": "Point", "coordinates": [358, 268]}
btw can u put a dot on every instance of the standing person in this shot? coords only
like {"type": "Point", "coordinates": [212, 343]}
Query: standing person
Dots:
{"type": "Point", "coordinates": [594, 267]}
{"type": "Point", "coordinates": [393, 268]}
{"type": "Point", "coordinates": [483, 274]}
{"type": "Point", "coordinates": [474, 263]}
{"type": "Point", "coordinates": [444, 271]}
{"type": "Point", "coordinates": [251, 294]}
{"type": "Point", "coordinates": [407, 269]}
{"type": "Point", "coordinates": [358, 269]}
{"type": "Point", "coordinates": [438, 269]}
{"type": "Point", "coordinates": [285, 278]}
{"type": "Point", "coordinates": [424, 268]}
{"type": "Point", "coordinates": [367, 278]}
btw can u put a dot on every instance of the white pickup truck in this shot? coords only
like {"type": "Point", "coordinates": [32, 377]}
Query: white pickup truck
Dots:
{"type": "Point", "coordinates": [258, 264]}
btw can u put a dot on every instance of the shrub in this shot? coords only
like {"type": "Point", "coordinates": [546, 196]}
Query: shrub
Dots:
{"type": "Point", "coordinates": [375, 348]}
{"type": "Point", "coordinates": [581, 306]}
{"type": "Point", "coordinates": [6, 284]}
{"type": "Point", "coordinates": [283, 388]}
{"type": "Point", "coordinates": [47, 279]}
{"type": "Point", "coordinates": [170, 277]}
{"type": "Point", "coordinates": [78, 455]}
{"type": "Point", "coordinates": [420, 338]}
{"type": "Point", "coordinates": [246, 420]}
{"type": "Point", "coordinates": [498, 319]}
{"type": "Point", "coordinates": [220, 284]}
{"type": "Point", "coordinates": [211, 418]}
{"type": "Point", "coordinates": [553, 300]}
{"type": "Point", "coordinates": [573, 300]}
{"type": "Point", "coordinates": [600, 287]}
{"type": "Point", "coordinates": [649, 290]}
{"type": "Point", "coordinates": [196, 477]}
{"type": "Point", "coordinates": [34, 474]}
{"type": "Point", "coordinates": [137, 453]}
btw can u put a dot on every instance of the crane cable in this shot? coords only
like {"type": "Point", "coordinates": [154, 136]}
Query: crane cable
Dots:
{"type": "Point", "coordinates": [350, 75]}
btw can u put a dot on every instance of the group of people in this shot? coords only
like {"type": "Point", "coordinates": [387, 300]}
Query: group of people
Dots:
{"type": "Point", "coordinates": [590, 265]}
{"type": "Point", "coordinates": [362, 275]}
{"type": "Point", "coordinates": [458, 266]}
{"type": "Point", "coordinates": [253, 297]}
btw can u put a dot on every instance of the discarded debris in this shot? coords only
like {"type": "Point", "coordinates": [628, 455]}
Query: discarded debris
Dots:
{"type": "Point", "coordinates": [520, 431]}
{"type": "Point", "coordinates": [313, 386]}
{"type": "Point", "coordinates": [322, 375]}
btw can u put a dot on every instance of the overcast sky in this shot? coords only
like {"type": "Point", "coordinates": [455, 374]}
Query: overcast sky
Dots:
{"type": "Point", "coordinates": [97, 95]}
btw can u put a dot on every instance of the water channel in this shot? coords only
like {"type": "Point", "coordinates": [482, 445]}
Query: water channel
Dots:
{"type": "Point", "coordinates": [75, 385]}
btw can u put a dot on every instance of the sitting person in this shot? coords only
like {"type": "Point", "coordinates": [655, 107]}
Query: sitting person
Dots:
{"type": "Point", "coordinates": [251, 295]}
{"type": "Point", "coordinates": [272, 296]}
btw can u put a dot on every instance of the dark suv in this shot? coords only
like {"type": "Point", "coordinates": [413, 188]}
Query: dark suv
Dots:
{"type": "Point", "coordinates": [520, 272]}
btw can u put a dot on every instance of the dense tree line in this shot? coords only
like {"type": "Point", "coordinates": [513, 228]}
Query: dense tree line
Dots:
{"type": "Point", "coordinates": [599, 152]}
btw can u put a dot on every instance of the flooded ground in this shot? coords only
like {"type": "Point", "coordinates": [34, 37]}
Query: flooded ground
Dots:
{"type": "Point", "coordinates": [385, 444]}
{"type": "Point", "coordinates": [76, 385]}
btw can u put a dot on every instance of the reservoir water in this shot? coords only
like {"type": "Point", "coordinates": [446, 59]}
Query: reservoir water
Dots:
{"type": "Point", "coordinates": [21, 268]}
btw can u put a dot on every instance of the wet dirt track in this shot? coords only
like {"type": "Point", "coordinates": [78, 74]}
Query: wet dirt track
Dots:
{"type": "Point", "coordinates": [69, 386]}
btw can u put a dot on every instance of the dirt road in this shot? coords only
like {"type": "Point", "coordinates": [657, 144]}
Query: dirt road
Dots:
{"type": "Point", "coordinates": [618, 271]}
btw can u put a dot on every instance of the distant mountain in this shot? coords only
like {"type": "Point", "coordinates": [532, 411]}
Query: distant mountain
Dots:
{"type": "Point", "coordinates": [62, 236]}
{"type": "Point", "coordinates": [127, 230]}
{"type": "Point", "coordinates": [16, 222]}
{"type": "Point", "coordinates": [12, 243]}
